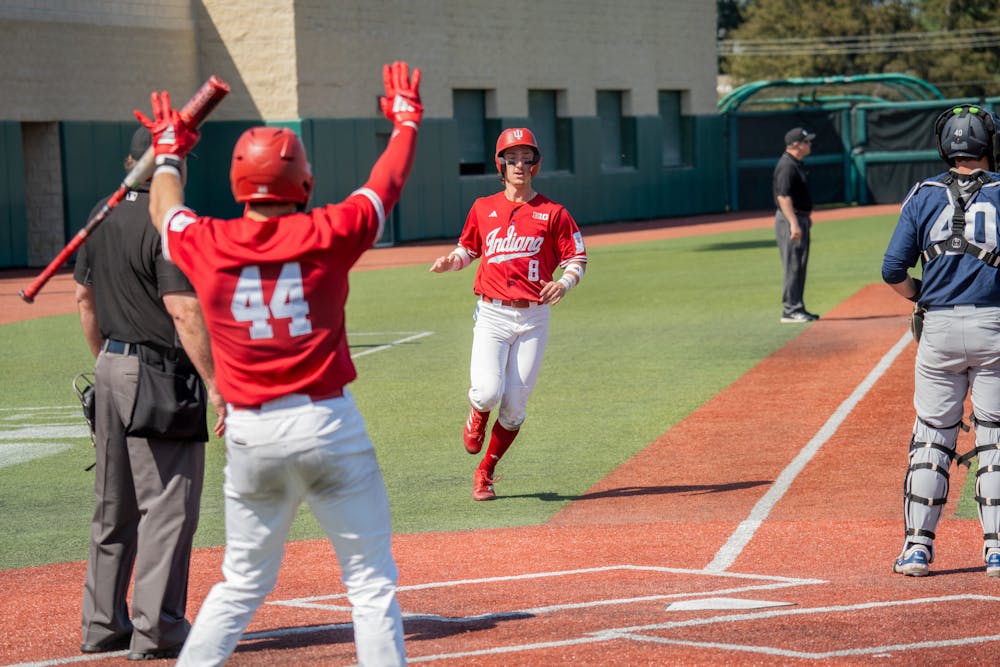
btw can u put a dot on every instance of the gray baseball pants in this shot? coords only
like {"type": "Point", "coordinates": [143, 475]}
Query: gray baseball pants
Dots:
{"type": "Point", "coordinates": [794, 258]}
{"type": "Point", "coordinates": [148, 496]}
{"type": "Point", "coordinates": [958, 356]}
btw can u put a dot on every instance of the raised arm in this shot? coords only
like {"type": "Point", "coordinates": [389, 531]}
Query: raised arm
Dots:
{"type": "Point", "coordinates": [173, 139]}
{"type": "Point", "coordinates": [401, 104]}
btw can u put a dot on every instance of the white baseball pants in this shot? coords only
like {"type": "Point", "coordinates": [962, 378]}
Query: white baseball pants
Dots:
{"type": "Point", "coordinates": [290, 451]}
{"type": "Point", "coordinates": [507, 349]}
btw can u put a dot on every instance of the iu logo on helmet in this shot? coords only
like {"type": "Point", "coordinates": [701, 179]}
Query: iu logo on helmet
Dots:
{"type": "Point", "coordinates": [518, 134]}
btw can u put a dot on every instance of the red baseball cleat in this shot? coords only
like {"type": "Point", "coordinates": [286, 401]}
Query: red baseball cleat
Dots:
{"type": "Point", "coordinates": [475, 430]}
{"type": "Point", "coordinates": [482, 486]}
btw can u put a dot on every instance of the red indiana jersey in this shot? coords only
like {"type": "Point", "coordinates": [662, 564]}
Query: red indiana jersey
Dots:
{"type": "Point", "coordinates": [273, 294]}
{"type": "Point", "coordinates": [520, 244]}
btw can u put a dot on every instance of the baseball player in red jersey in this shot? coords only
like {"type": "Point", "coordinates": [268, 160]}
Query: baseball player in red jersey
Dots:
{"type": "Point", "coordinates": [521, 237]}
{"type": "Point", "coordinates": [273, 285]}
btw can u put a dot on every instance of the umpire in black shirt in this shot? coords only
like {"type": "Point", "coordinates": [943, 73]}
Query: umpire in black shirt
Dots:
{"type": "Point", "coordinates": [792, 223]}
{"type": "Point", "coordinates": [136, 307]}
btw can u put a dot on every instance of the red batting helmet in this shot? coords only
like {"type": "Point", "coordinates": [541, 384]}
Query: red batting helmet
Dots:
{"type": "Point", "coordinates": [517, 136]}
{"type": "Point", "coordinates": [270, 165]}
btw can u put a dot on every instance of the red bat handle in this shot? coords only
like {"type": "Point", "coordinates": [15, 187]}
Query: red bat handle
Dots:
{"type": "Point", "coordinates": [29, 292]}
{"type": "Point", "coordinates": [194, 114]}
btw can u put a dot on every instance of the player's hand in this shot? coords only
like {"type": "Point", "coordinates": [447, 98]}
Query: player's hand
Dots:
{"type": "Point", "coordinates": [442, 264]}
{"type": "Point", "coordinates": [401, 103]}
{"type": "Point", "coordinates": [552, 292]}
{"type": "Point", "coordinates": [171, 134]}
{"type": "Point", "coordinates": [795, 231]}
{"type": "Point", "coordinates": [219, 405]}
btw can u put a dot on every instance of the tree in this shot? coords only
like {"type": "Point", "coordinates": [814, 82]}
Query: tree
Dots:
{"type": "Point", "coordinates": [969, 72]}
{"type": "Point", "coordinates": [729, 15]}
{"type": "Point", "coordinates": [953, 44]}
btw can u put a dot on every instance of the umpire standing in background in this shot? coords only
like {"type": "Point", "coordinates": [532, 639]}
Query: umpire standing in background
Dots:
{"type": "Point", "coordinates": [142, 322]}
{"type": "Point", "coordinates": [792, 223]}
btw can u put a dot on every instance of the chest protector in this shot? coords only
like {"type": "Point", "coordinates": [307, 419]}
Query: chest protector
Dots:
{"type": "Point", "coordinates": [957, 241]}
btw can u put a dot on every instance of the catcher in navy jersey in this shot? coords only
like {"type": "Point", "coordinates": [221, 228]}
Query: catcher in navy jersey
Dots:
{"type": "Point", "coordinates": [951, 224]}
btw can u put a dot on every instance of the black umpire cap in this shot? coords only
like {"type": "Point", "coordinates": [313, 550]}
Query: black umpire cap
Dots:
{"type": "Point", "coordinates": [141, 140]}
{"type": "Point", "coordinates": [798, 134]}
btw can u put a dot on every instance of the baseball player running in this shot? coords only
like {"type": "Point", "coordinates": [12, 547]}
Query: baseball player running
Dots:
{"type": "Point", "coordinates": [521, 236]}
{"type": "Point", "coordinates": [274, 284]}
{"type": "Point", "coordinates": [950, 222]}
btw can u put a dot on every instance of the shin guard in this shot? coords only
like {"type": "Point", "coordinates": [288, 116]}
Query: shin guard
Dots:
{"type": "Point", "coordinates": [925, 487]}
{"type": "Point", "coordinates": [988, 481]}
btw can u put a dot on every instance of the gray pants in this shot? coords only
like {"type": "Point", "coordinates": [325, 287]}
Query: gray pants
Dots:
{"type": "Point", "coordinates": [794, 258]}
{"type": "Point", "coordinates": [148, 494]}
{"type": "Point", "coordinates": [958, 357]}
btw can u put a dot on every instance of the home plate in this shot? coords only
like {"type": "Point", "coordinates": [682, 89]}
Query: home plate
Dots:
{"type": "Point", "coordinates": [723, 603]}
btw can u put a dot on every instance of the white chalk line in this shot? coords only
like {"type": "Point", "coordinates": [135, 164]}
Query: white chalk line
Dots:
{"type": "Point", "coordinates": [634, 632]}
{"type": "Point", "coordinates": [25, 439]}
{"type": "Point", "coordinates": [416, 335]}
{"type": "Point", "coordinates": [745, 532]}
{"type": "Point", "coordinates": [317, 602]}
{"type": "Point", "coordinates": [563, 573]}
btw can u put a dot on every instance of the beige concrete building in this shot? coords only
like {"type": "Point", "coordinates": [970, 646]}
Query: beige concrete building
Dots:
{"type": "Point", "coordinates": [286, 60]}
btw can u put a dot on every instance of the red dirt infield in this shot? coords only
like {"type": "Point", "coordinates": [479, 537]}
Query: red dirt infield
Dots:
{"type": "Point", "coordinates": [759, 530]}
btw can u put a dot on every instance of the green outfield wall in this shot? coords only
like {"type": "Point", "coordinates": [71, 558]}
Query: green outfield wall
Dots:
{"type": "Point", "coordinates": [13, 221]}
{"type": "Point", "coordinates": [436, 198]}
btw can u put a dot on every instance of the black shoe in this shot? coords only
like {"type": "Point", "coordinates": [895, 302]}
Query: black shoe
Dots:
{"type": "Point", "coordinates": [118, 643]}
{"type": "Point", "coordinates": [156, 653]}
{"type": "Point", "coordinates": [797, 317]}
{"type": "Point", "coordinates": [811, 316]}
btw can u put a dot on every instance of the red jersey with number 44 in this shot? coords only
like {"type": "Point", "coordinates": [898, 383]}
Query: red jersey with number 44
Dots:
{"type": "Point", "coordinates": [273, 294]}
{"type": "Point", "coordinates": [520, 244]}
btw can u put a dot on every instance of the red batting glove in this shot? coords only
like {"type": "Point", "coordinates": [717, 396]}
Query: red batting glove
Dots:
{"type": "Point", "coordinates": [401, 103]}
{"type": "Point", "coordinates": [171, 134]}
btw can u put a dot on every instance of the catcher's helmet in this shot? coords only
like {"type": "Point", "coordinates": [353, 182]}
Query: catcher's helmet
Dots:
{"type": "Point", "coordinates": [967, 131]}
{"type": "Point", "coordinates": [517, 136]}
{"type": "Point", "coordinates": [270, 165]}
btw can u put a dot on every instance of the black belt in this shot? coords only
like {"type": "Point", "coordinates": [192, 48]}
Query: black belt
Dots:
{"type": "Point", "coordinates": [119, 347]}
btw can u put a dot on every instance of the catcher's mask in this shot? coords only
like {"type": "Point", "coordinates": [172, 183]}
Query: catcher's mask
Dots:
{"type": "Point", "coordinates": [517, 136]}
{"type": "Point", "coordinates": [270, 165]}
{"type": "Point", "coordinates": [969, 131]}
{"type": "Point", "coordinates": [83, 385]}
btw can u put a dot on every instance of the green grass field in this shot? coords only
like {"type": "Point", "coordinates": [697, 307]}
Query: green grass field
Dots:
{"type": "Point", "coordinates": [654, 330]}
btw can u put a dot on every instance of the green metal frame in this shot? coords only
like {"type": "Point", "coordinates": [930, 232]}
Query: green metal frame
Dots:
{"type": "Point", "coordinates": [850, 109]}
{"type": "Point", "coordinates": [909, 87]}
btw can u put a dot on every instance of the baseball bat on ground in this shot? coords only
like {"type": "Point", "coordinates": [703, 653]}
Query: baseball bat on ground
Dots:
{"type": "Point", "coordinates": [193, 114]}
